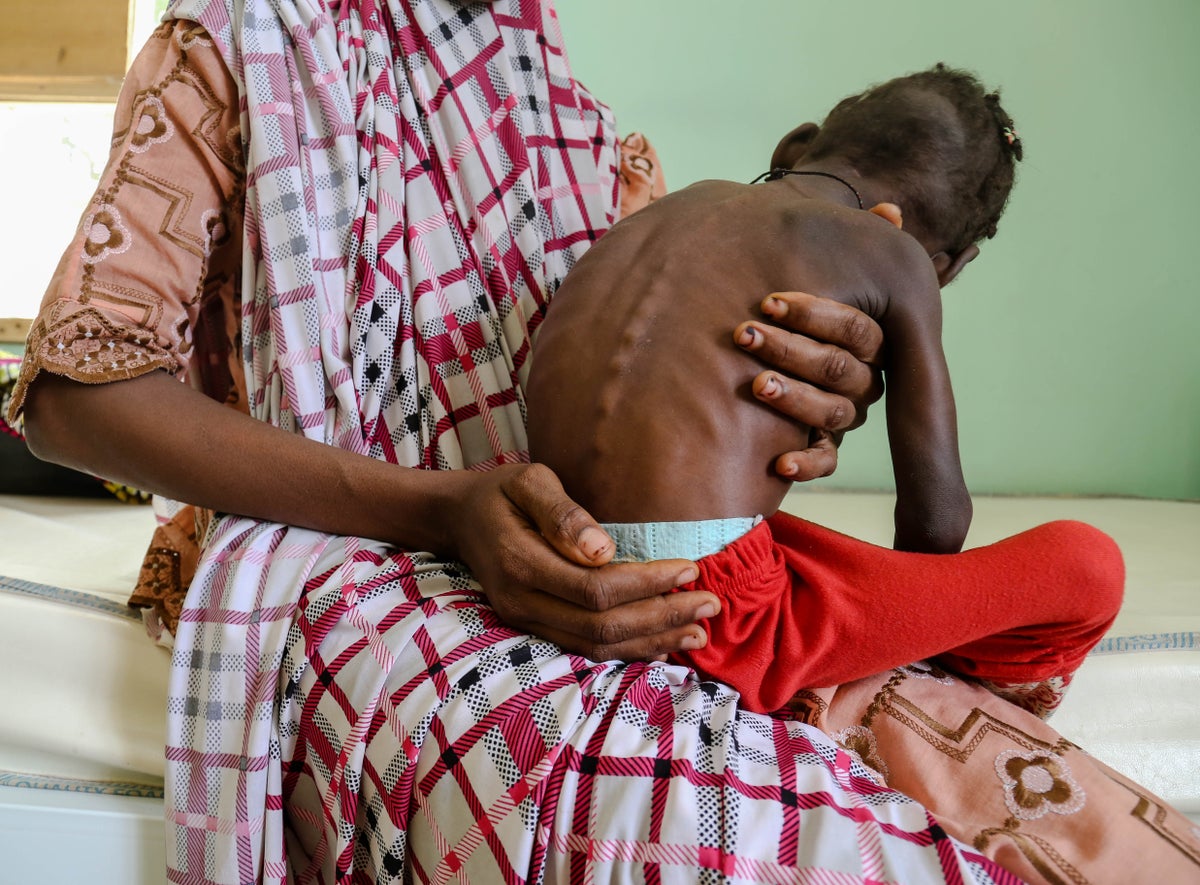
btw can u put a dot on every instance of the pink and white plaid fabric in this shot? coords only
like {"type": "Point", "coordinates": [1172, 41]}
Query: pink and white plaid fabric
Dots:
{"type": "Point", "coordinates": [421, 176]}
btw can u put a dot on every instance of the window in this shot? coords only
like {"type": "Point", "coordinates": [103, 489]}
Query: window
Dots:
{"type": "Point", "coordinates": [55, 127]}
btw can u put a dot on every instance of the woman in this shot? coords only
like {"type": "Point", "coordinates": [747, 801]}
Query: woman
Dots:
{"type": "Point", "coordinates": [416, 180]}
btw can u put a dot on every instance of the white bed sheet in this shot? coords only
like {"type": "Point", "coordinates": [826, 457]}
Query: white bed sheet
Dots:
{"type": "Point", "coordinates": [81, 698]}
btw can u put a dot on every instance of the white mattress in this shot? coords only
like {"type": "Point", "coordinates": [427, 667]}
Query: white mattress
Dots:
{"type": "Point", "coordinates": [84, 689]}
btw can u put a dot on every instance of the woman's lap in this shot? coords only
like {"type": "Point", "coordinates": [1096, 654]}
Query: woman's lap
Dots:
{"type": "Point", "coordinates": [421, 731]}
{"type": "Point", "coordinates": [390, 725]}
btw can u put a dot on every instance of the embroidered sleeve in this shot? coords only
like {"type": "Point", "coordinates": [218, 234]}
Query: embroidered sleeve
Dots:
{"type": "Point", "coordinates": [157, 252]}
{"type": "Point", "coordinates": [640, 175]}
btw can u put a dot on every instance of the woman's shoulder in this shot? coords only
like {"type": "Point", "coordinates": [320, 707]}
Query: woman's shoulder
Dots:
{"type": "Point", "coordinates": [178, 77]}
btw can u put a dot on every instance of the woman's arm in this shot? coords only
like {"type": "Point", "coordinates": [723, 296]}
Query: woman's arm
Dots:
{"type": "Point", "coordinates": [534, 551]}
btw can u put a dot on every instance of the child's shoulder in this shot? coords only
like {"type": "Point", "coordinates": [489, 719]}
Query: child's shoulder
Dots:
{"type": "Point", "coordinates": [879, 233]}
{"type": "Point", "coordinates": [872, 257]}
{"type": "Point", "coordinates": [863, 233]}
{"type": "Point", "coordinates": [709, 189]}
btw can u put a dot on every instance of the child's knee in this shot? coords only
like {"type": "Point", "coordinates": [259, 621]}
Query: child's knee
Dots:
{"type": "Point", "coordinates": [1092, 565]}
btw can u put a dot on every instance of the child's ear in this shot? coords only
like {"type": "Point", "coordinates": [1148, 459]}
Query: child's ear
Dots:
{"type": "Point", "coordinates": [793, 146]}
{"type": "Point", "coordinates": [889, 212]}
{"type": "Point", "coordinates": [949, 266]}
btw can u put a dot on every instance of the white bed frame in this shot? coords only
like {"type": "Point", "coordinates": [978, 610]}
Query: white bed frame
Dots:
{"type": "Point", "coordinates": [52, 836]}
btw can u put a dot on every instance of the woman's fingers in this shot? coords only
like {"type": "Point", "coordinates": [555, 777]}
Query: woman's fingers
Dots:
{"type": "Point", "coordinates": [645, 629]}
{"type": "Point", "coordinates": [826, 320]}
{"type": "Point", "coordinates": [525, 560]}
{"type": "Point", "coordinates": [536, 492]}
{"type": "Point", "coordinates": [537, 555]}
{"type": "Point", "coordinates": [826, 357]}
{"type": "Point", "coordinates": [807, 404]}
{"type": "Point", "coordinates": [819, 459]}
{"type": "Point", "coordinates": [814, 364]}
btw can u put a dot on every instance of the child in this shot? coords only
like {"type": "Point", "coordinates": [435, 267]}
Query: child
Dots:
{"type": "Point", "coordinates": [643, 439]}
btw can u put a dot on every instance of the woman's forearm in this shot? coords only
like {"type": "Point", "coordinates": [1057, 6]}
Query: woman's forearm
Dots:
{"type": "Point", "coordinates": [531, 548]}
{"type": "Point", "coordinates": [159, 435]}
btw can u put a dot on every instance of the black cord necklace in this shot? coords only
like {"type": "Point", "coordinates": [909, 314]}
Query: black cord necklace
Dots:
{"type": "Point", "coordinates": [778, 173]}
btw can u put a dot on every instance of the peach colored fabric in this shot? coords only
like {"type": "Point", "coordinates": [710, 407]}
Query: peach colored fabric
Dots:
{"type": "Point", "coordinates": [152, 277]}
{"type": "Point", "coordinates": [1001, 779]}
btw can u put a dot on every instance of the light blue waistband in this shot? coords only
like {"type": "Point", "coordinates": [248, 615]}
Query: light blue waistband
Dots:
{"type": "Point", "coordinates": [644, 541]}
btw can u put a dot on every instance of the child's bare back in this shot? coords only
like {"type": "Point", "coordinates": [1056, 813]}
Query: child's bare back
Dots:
{"type": "Point", "coordinates": [638, 398]}
{"type": "Point", "coordinates": [635, 361]}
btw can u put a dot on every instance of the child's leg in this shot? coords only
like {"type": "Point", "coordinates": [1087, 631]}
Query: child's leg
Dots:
{"type": "Point", "coordinates": [1023, 610]}
{"type": "Point", "coordinates": [805, 606]}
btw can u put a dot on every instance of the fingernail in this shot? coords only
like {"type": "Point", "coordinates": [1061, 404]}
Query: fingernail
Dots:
{"type": "Point", "coordinates": [693, 641]}
{"type": "Point", "coordinates": [593, 542]}
{"type": "Point", "coordinates": [770, 386]}
{"type": "Point", "coordinates": [748, 336]}
{"type": "Point", "coordinates": [774, 306]}
{"type": "Point", "coordinates": [687, 576]}
{"type": "Point", "coordinates": [708, 610]}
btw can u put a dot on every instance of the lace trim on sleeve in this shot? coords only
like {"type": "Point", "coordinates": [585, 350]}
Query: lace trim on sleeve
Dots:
{"type": "Point", "coordinates": [88, 346]}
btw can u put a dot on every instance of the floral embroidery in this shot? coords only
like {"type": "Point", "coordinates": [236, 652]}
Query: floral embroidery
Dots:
{"type": "Point", "coordinates": [859, 741]}
{"type": "Point", "coordinates": [1039, 698]}
{"type": "Point", "coordinates": [104, 234]}
{"type": "Point", "coordinates": [1037, 783]}
{"type": "Point", "coordinates": [151, 127]}
{"type": "Point", "coordinates": [88, 346]}
{"type": "Point", "coordinates": [195, 35]}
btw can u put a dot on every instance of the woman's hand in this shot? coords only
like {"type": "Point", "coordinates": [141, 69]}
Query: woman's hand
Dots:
{"type": "Point", "coordinates": [544, 564]}
{"type": "Point", "coordinates": [826, 359]}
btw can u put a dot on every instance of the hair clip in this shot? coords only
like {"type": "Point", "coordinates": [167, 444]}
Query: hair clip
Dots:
{"type": "Point", "coordinates": [1009, 135]}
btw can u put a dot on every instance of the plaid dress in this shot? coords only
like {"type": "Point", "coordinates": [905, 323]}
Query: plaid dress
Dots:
{"type": "Point", "coordinates": [420, 176]}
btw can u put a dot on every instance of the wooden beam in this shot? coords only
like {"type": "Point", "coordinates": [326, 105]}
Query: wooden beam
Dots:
{"type": "Point", "coordinates": [14, 329]}
{"type": "Point", "coordinates": [68, 50]}
{"type": "Point", "coordinates": [83, 89]}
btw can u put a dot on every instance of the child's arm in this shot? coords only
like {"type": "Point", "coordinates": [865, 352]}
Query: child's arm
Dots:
{"type": "Point", "coordinates": [933, 507]}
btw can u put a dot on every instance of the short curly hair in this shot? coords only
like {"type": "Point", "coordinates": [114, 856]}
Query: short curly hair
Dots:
{"type": "Point", "coordinates": [953, 175]}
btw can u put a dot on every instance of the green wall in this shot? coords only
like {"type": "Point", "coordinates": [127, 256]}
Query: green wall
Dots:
{"type": "Point", "coordinates": [1073, 338]}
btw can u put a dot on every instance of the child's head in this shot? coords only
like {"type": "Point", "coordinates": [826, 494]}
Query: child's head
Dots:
{"type": "Point", "coordinates": [946, 147]}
